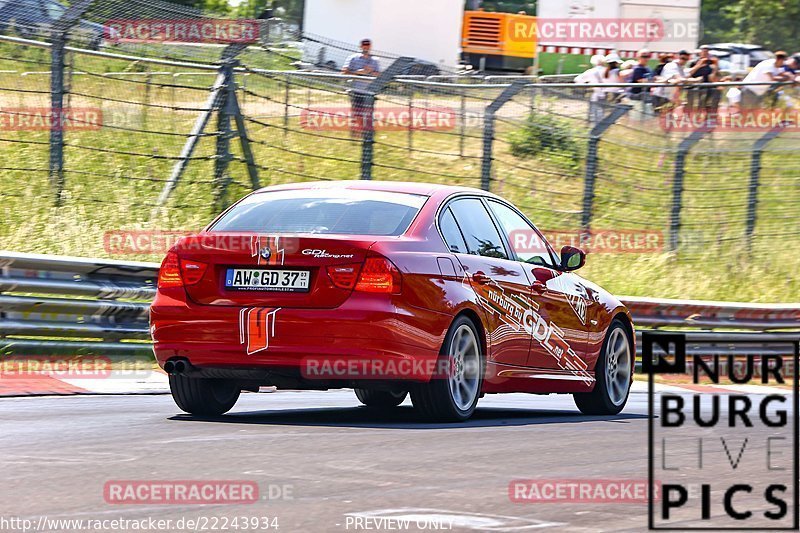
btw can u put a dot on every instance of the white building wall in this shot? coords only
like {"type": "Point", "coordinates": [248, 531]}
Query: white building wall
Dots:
{"type": "Point", "coordinates": [425, 29]}
{"type": "Point", "coordinates": [680, 17]}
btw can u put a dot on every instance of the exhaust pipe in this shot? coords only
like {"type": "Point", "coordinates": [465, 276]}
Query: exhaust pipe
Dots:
{"type": "Point", "coordinates": [176, 367]}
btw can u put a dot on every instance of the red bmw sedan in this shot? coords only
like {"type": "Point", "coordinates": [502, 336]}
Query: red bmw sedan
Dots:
{"type": "Point", "coordinates": [441, 292]}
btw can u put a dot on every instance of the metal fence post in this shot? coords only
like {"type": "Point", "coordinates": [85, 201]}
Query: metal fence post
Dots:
{"type": "Point", "coordinates": [56, 173]}
{"type": "Point", "coordinates": [191, 143]}
{"type": "Point", "coordinates": [241, 132]}
{"type": "Point", "coordinates": [220, 94]}
{"type": "Point", "coordinates": [755, 172]}
{"type": "Point", "coordinates": [677, 185]}
{"type": "Point", "coordinates": [148, 81]}
{"type": "Point", "coordinates": [57, 66]}
{"type": "Point", "coordinates": [591, 163]}
{"type": "Point", "coordinates": [462, 132]}
{"type": "Point", "coordinates": [488, 130]}
{"type": "Point", "coordinates": [286, 95]}
{"type": "Point", "coordinates": [397, 68]}
{"type": "Point", "coordinates": [224, 134]}
{"type": "Point", "coordinates": [411, 122]}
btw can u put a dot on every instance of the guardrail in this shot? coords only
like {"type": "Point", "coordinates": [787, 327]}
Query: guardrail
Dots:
{"type": "Point", "coordinates": [100, 305]}
{"type": "Point", "coordinates": [71, 305]}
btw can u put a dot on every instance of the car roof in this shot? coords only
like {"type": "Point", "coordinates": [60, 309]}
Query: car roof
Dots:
{"type": "Point", "coordinates": [410, 187]}
{"type": "Point", "coordinates": [737, 45]}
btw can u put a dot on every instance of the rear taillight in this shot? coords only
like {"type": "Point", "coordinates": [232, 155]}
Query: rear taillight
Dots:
{"type": "Point", "coordinates": [169, 275]}
{"type": "Point", "coordinates": [175, 272]}
{"type": "Point", "coordinates": [192, 271]}
{"type": "Point", "coordinates": [344, 276]}
{"type": "Point", "coordinates": [379, 275]}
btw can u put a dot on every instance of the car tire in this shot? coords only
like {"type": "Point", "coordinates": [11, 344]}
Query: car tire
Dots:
{"type": "Point", "coordinates": [380, 399]}
{"type": "Point", "coordinates": [614, 371]}
{"type": "Point", "coordinates": [453, 397]}
{"type": "Point", "coordinates": [201, 396]}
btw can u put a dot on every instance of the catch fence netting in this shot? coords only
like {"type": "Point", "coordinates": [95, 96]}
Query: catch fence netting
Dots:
{"type": "Point", "coordinates": [718, 207]}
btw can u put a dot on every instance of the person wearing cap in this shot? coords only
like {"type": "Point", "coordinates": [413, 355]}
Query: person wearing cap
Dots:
{"type": "Point", "coordinates": [641, 74]}
{"type": "Point", "coordinates": [626, 70]}
{"type": "Point", "coordinates": [361, 64]}
{"type": "Point", "coordinates": [611, 76]}
{"type": "Point", "coordinates": [705, 69]}
{"type": "Point", "coordinates": [594, 76]}
{"type": "Point", "coordinates": [591, 75]}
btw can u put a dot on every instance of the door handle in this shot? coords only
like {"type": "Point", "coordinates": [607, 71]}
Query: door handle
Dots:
{"type": "Point", "coordinates": [480, 277]}
{"type": "Point", "coordinates": [538, 287]}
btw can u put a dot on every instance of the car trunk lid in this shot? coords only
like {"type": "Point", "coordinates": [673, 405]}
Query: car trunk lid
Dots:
{"type": "Point", "coordinates": [235, 257]}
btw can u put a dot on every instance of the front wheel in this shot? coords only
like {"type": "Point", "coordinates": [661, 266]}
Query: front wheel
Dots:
{"type": "Point", "coordinates": [614, 371]}
{"type": "Point", "coordinates": [452, 397]}
{"type": "Point", "coordinates": [380, 399]}
{"type": "Point", "coordinates": [206, 397]}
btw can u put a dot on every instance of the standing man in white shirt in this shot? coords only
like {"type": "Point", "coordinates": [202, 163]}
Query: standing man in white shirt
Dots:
{"type": "Point", "coordinates": [674, 72]}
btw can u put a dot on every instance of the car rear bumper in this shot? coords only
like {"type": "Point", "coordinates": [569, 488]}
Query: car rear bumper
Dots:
{"type": "Point", "coordinates": [368, 337]}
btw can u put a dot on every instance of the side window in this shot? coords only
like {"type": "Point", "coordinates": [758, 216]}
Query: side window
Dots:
{"type": "Point", "coordinates": [525, 241]}
{"type": "Point", "coordinates": [451, 233]}
{"type": "Point", "coordinates": [477, 228]}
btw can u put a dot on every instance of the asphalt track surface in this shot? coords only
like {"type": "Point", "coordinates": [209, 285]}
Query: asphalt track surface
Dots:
{"type": "Point", "coordinates": [339, 461]}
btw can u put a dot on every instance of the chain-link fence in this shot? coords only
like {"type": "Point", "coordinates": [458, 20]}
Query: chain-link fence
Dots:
{"type": "Point", "coordinates": [160, 136]}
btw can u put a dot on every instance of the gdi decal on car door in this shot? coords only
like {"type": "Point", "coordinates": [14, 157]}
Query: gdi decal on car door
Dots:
{"type": "Point", "coordinates": [517, 321]}
{"type": "Point", "coordinates": [523, 314]}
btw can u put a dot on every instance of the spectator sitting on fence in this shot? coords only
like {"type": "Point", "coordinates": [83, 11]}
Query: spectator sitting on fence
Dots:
{"type": "Point", "coordinates": [611, 76]}
{"type": "Point", "coordinates": [360, 64]}
{"type": "Point", "coordinates": [769, 70]}
{"type": "Point", "coordinates": [594, 76]}
{"type": "Point", "coordinates": [641, 73]}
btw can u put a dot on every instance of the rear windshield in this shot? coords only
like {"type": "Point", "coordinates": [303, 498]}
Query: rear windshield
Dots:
{"type": "Point", "coordinates": [331, 212]}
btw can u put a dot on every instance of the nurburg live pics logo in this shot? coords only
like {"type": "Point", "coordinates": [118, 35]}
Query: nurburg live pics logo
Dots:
{"type": "Point", "coordinates": [737, 446]}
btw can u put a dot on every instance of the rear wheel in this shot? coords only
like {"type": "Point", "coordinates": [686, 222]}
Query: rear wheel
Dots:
{"type": "Point", "coordinates": [200, 396]}
{"type": "Point", "coordinates": [379, 398]}
{"type": "Point", "coordinates": [453, 397]}
{"type": "Point", "coordinates": [613, 372]}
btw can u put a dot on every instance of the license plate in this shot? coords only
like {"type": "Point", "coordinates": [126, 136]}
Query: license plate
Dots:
{"type": "Point", "coordinates": [254, 279]}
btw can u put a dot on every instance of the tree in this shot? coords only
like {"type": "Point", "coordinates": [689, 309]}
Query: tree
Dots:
{"type": "Point", "coordinates": [774, 24]}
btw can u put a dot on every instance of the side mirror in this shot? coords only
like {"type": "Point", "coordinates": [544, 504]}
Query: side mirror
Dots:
{"type": "Point", "coordinates": [572, 258]}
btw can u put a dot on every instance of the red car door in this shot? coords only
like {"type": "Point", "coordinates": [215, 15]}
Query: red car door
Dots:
{"type": "Point", "coordinates": [558, 301]}
{"type": "Point", "coordinates": [500, 283]}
